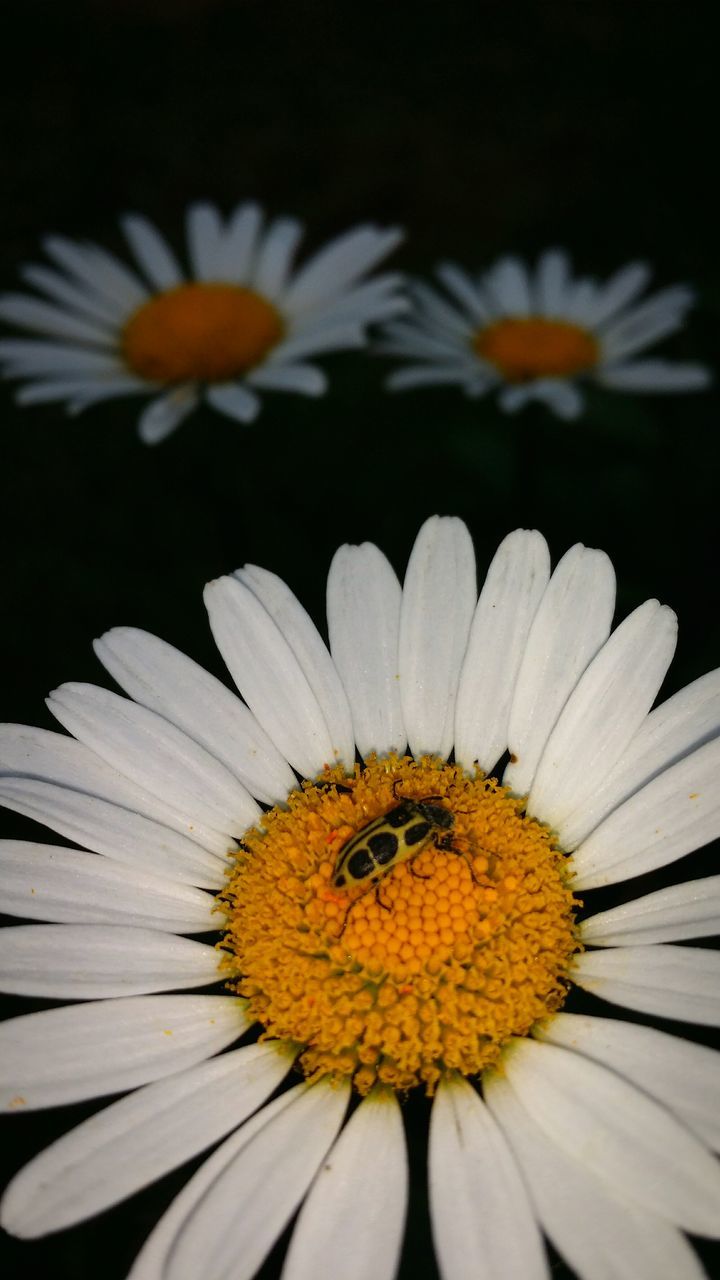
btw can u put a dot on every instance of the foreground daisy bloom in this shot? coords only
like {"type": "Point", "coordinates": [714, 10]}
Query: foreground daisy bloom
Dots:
{"type": "Point", "coordinates": [242, 322]}
{"type": "Point", "coordinates": [533, 335]}
{"type": "Point", "coordinates": [399, 923]}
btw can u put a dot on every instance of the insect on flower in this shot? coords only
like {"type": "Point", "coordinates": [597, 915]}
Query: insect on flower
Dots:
{"type": "Point", "coordinates": [390, 839]}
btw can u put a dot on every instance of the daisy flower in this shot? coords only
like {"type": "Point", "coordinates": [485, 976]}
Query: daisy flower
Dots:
{"type": "Point", "coordinates": [243, 320]}
{"type": "Point", "coordinates": [534, 335]}
{"type": "Point", "coordinates": [392, 916]}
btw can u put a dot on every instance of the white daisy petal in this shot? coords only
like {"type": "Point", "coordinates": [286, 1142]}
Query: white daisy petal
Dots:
{"type": "Point", "coordinates": [375, 300]}
{"type": "Point", "coordinates": [513, 588]}
{"type": "Point", "coordinates": [306, 379]}
{"type": "Point", "coordinates": [240, 243]}
{"type": "Point", "coordinates": [300, 632]}
{"type": "Point", "coordinates": [346, 335]}
{"type": "Point", "coordinates": [654, 375]}
{"type": "Point", "coordinates": [51, 757]}
{"type": "Point", "coordinates": [668, 981]}
{"type": "Point", "coordinates": [80, 298]}
{"type": "Point", "coordinates": [656, 318]}
{"type": "Point", "coordinates": [605, 709]}
{"type": "Point", "coordinates": [268, 675]}
{"type": "Point", "coordinates": [561, 397]}
{"type": "Point", "coordinates": [483, 1223]}
{"type": "Point", "coordinates": [601, 1234]}
{"type": "Point", "coordinates": [617, 292]}
{"type": "Point", "coordinates": [32, 358]}
{"type": "Point", "coordinates": [571, 624]}
{"type": "Point", "coordinates": [113, 830]}
{"type": "Point", "coordinates": [670, 301]}
{"type": "Point", "coordinates": [508, 281]}
{"type": "Point", "coordinates": [275, 257]}
{"type": "Point", "coordinates": [43, 317]}
{"type": "Point", "coordinates": [437, 313]}
{"type": "Point", "coordinates": [204, 239]}
{"type": "Point", "coordinates": [138, 1139]}
{"type": "Point", "coordinates": [165, 680]}
{"type": "Point", "coordinates": [552, 277]}
{"type": "Point", "coordinates": [247, 1207]}
{"type": "Point", "coordinates": [513, 399]}
{"type": "Point", "coordinates": [621, 1134]}
{"type": "Point", "coordinates": [438, 602]}
{"type": "Point", "coordinates": [434, 375]}
{"type": "Point", "coordinates": [88, 1050]}
{"type": "Point", "coordinates": [581, 300]}
{"type": "Point", "coordinates": [101, 271]}
{"type": "Point", "coordinates": [682, 1075]}
{"type": "Point", "coordinates": [156, 755]}
{"type": "Point", "coordinates": [675, 813]}
{"type": "Point", "coordinates": [45, 882]}
{"type": "Point", "coordinates": [165, 414]}
{"type": "Point", "coordinates": [152, 252]}
{"type": "Point", "coordinates": [338, 265]}
{"type": "Point", "coordinates": [351, 1223]}
{"type": "Point", "coordinates": [672, 731]}
{"type": "Point", "coordinates": [89, 389]}
{"type": "Point", "coordinates": [234, 400]}
{"type": "Point", "coordinates": [633, 338]}
{"type": "Point", "coordinates": [401, 338]}
{"type": "Point", "coordinates": [90, 961]}
{"type": "Point", "coordinates": [689, 910]}
{"type": "Point", "coordinates": [363, 611]}
{"type": "Point", "coordinates": [462, 288]}
{"type": "Point", "coordinates": [151, 1262]}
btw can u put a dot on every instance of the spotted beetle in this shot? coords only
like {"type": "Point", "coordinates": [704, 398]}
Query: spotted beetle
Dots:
{"type": "Point", "coordinates": [391, 839]}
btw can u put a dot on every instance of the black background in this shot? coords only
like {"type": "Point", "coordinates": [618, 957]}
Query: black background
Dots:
{"type": "Point", "coordinates": [481, 129]}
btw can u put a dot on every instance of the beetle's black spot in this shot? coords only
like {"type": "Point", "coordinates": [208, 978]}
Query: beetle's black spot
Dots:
{"type": "Point", "coordinates": [360, 864]}
{"type": "Point", "coordinates": [435, 814]}
{"type": "Point", "coordinates": [339, 881]}
{"type": "Point", "coordinates": [417, 832]}
{"type": "Point", "coordinates": [383, 846]}
{"type": "Point", "coordinates": [400, 815]}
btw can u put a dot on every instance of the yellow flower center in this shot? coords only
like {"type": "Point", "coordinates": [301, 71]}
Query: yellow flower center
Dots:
{"type": "Point", "coordinates": [456, 949]}
{"type": "Point", "coordinates": [527, 347]}
{"type": "Point", "coordinates": [204, 332]}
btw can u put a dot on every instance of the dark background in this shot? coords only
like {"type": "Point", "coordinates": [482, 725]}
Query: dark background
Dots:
{"type": "Point", "coordinates": [480, 130]}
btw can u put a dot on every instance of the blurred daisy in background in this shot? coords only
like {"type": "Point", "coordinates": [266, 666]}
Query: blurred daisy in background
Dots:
{"type": "Point", "coordinates": [534, 335]}
{"type": "Point", "coordinates": [199, 811]}
{"type": "Point", "coordinates": [242, 321]}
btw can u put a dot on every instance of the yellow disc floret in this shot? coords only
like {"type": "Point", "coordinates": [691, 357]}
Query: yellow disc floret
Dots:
{"type": "Point", "coordinates": [431, 969]}
{"type": "Point", "coordinates": [528, 347]}
{"type": "Point", "coordinates": [204, 332]}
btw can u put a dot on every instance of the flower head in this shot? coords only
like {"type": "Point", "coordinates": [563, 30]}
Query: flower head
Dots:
{"type": "Point", "coordinates": [241, 322]}
{"type": "Point", "coordinates": [534, 335]}
{"type": "Point", "coordinates": [389, 919]}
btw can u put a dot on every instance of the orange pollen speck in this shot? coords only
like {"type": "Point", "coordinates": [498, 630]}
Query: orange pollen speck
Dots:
{"type": "Point", "coordinates": [455, 951]}
{"type": "Point", "coordinates": [527, 347]}
{"type": "Point", "coordinates": [204, 332]}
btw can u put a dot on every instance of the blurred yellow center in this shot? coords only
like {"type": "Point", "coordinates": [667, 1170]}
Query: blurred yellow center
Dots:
{"type": "Point", "coordinates": [204, 332]}
{"type": "Point", "coordinates": [432, 970]}
{"type": "Point", "coordinates": [528, 347]}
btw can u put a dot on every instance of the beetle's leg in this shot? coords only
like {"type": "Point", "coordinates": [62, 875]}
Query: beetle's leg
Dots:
{"type": "Point", "coordinates": [347, 917]}
{"type": "Point", "coordinates": [354, 903]}
{"type": "Point", "coordinates": [418, 874]}
{"type": "Point", "coordinates": [326, 783]}
{"type": "Point", "coordinates": [446, 844]}
{"type": "Point", "coordinates": [379, 900]}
